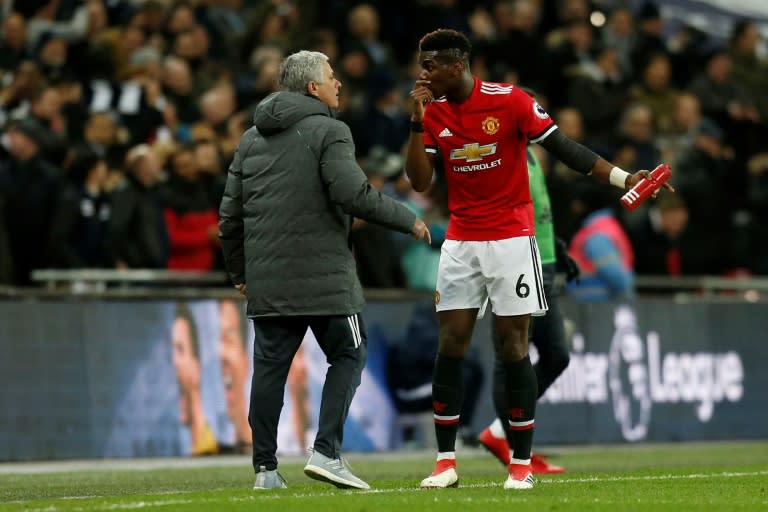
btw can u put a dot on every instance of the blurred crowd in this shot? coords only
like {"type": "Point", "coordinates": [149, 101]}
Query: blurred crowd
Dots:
{"type": "Point", "coordinates": [119, 119]}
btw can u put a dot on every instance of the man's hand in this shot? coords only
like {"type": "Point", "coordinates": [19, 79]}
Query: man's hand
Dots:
{"type": "Point", "coordinates": [565, 263]}
{"type": "Point", "coordinates": [637, 177]}
{"type": "Point", "coordinates": [240, 288]}
{"type": "Point", "coordinates": [421, 95]}
{"type": "Point", "coordinates": [420, 231]}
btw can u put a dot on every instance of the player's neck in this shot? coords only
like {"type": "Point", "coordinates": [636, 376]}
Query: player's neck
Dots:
{"type": "Point", "coordinates": [463, 91]}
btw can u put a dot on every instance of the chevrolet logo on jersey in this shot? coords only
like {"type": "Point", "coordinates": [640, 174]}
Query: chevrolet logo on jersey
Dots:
{"type": "Point", "coordinates": [473, 152]}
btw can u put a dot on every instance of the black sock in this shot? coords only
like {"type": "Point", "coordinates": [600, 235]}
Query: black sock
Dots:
{"type": "Point", "coordinates": [521, 399]}
{"type": "Point", "coordinates": [447, 397]}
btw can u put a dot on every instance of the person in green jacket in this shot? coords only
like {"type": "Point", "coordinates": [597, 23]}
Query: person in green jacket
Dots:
{"type": "Point", "coordinates": [547, 332]}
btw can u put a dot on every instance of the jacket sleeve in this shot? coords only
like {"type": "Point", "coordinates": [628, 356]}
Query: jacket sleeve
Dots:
{"type": "Point", "coordinates": [231, 226]}
{"type": "Point", "coordinates": [348, 187]}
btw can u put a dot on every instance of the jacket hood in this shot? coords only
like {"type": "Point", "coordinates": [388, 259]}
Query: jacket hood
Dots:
{"type": "Point", "coordinates": [281, 110]}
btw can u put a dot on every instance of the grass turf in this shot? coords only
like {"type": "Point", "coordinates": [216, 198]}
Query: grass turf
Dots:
{"type": "Point", "coordinates": [647, 478]}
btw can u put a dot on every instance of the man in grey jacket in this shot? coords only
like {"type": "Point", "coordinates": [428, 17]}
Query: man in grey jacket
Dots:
{"type": "Point", "coordinates": [292, 191]}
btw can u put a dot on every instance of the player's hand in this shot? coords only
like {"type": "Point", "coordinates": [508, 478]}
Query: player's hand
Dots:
{"type": "Point", "coordinates": [421, 95]}
{"type": "Point", "coordinates": [420, 231]}
{"type": "Point", "coordinates": [637, 177]}
{"type": "Point", "coordinates": [240, 288]}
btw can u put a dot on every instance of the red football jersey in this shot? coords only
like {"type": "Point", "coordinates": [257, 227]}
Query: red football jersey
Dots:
{"type": "Point", "coordinates": [483, 146]}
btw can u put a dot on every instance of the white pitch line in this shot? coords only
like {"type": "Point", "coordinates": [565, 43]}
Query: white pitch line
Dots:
{"type": "Point", "coordinates": [258, 496]}
{"type": "Point", "coordinates": [657, 477]}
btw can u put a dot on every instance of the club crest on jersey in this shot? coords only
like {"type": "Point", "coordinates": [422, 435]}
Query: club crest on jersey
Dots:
{"type": "Point", "coordinates": [490, 125]}
{"type": "Point", "coordinates": [473, 152]}
{"type": "Point", "coordinates": [539, 111]}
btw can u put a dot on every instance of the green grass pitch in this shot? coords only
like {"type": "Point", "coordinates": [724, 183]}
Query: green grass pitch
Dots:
{"type": "Point", "coordinates": [723, 477]}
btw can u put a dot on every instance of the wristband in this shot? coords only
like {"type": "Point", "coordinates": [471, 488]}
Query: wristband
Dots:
{"type": "Point", "coordinates": [618, 178]}
{"type": "Point", "coordinates": [417, 127]}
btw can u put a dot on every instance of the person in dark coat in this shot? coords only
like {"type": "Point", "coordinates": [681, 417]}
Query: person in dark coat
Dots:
{"type": "Point", "coordinates": [285, 219]}
{"type": "Point", "coordinates": [29, 185]}
{"type": "Point", "coordinates": [81, 217]}
{"type": "Point", "coordinates": [138, 236]}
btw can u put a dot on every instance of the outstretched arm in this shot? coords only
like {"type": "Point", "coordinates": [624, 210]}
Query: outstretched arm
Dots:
{"type": "Point", "coordinates": [584, 160]}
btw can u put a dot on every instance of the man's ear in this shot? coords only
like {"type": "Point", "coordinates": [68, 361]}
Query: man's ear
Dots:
{"type": "Point", "coordinates": [312, 88]}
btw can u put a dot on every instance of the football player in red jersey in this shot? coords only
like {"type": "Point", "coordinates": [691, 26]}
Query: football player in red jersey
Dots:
{"type": "Point", "coordinates": [481, 130]}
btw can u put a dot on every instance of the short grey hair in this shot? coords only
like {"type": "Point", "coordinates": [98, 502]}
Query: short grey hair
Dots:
{"type": "Point", "coordinates": [300, 68]}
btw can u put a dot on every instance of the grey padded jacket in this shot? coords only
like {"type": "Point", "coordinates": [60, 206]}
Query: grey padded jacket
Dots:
{"type": "Point", "coordinates": [285, 217]}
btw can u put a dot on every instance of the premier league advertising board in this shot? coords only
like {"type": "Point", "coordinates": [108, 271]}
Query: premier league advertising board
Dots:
{"type": "Point", "coordinates": [660, 371]}
{"type": "Point", "coordinates": [96, 379]}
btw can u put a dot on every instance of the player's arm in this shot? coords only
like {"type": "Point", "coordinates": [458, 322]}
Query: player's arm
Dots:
{"type": "Point", "coordinates": [418, 163]}
{"type": "Point", "coordinates": [582, 159]}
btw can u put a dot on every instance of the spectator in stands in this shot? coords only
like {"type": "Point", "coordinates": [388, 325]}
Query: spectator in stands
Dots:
{"type": "Point", "coordinates": [218, 107]}
{"type": "Point", "coordinates": [104, 132]}
{"type": "Point", "coordinates": [42, 20]}
{"type": "Point", "coordinates": [186, 360]}
{"type": "Point", "coordinates": [262, 79]}
{"type": "Point", "coordinates": [139, 237]}
{"type": "Point", "coordinates": [598, 91]}
{"type": "Point", "coordinates": [750, 69]}
{"type": "Point", "coordinates": [210, 164]}
{"type": "Point", "coordinates": [602, 249]}
{"type": "Point", "coordinates": [570, 54]}
{"type": "Point", "coordinates": [177, 89]}
{"type": "Point", "coordinates": [190, 214]}
{"type": "Point", "coordinates": [636, 144]}
{"type": "Point", "coordinates": [30, 186]}
{"type": "Point", "coordinates": [665, 244]}
{"type": "Point", "coordinates": [45, 108]}
{"type": "Point", "coordinates": [377, 253]}
{"type": "Point", "coordinates": [192, 45]}
{"type": "Point", "coordinates": [383, 123]}
{"type": "Point", "coordinates": [649, 38]}
{"type": "Point", "coordinates": [516, 28]}
{"type": "Point", "coordinates": [13, 48]}
{"type": "Point", "coordinates": [722, 97]}
{"type": "Point", "coordinates": [727, 102]}
{"type": "Point", "coordinates": [26, 79]}
{"type": "Point", "coordinates": [687, 51]}
{"type": "Point", "coordinates": [655, 91]}
{"type": "Point", "coordinates": [81, 220]}
{"type": "Point", "coordinates": [52, 56]}
{"type": "Point", "coordinates": [619, 34]}
{"type": "Point", "coordinates": [363, 27]}
{"type": "Point", "coordinates": [354, 68]}
{"type": "Point", "coordinates": [686, 115]}
{"type": "Point", "coordinates": [704, 178]}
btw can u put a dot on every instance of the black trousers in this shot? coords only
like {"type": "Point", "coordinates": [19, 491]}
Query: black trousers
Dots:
{"type": "Point", "coordinates": [343, 341]}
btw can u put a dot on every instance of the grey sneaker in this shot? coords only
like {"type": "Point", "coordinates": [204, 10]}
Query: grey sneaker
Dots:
{"type": "Point", "coordinates": [269, 479]}
{"type": "Point", "coordinates": [333, 471]}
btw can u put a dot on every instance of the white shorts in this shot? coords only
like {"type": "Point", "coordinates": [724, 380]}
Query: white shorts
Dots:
{"type": "Point", "coordinates": [505, 272]}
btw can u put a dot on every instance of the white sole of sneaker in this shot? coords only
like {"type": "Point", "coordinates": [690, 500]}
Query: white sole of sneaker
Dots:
{"type": "Point", "coordinates": [519, 485]}
{"type": "Point", "coordinates": [318, 473]}
{"type": "Point", "coordinates": [448, 478]}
